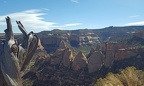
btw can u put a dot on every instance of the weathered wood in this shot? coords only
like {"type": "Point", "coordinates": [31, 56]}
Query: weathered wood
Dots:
{"type": "Point", "coordinates": [27, 47]}
{"type": "Point", "coordinates": [15, 58]}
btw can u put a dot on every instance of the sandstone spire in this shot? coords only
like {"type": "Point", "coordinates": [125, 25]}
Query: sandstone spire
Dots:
{"type": "Point", "coordinates": [95, 61]}
{"type": "Point", "coordinates": [56, 57]}
{"type": "Point", "coordinates": [80, 61]}
{"type": "Point", "coordinates": [67, 58]}
{"type": "Point", "coordinates": [62, 44]}
{"type": "Point", "coordinates": [109, 58]}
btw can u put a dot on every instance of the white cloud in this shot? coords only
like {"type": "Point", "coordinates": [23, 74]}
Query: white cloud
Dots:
{"type": "Point", "coordinates": [74, 24]}
{"type": "Point", "coordinates": [135, 23]}
{"type": "Point", "coordinates": [75, 1]}
{"type": "Point", "coordinates": [45, 9]}
{"type": "Point", "coordinates": [134, 16]}
{"type": "Point", "coordinates": [68, 25]}
{"type": "Point", "coordinates": [2, 23]}
{"type": "Point", "coordinates": [30, 18]}
{"type": "Point", "coordinates": [33, 20]}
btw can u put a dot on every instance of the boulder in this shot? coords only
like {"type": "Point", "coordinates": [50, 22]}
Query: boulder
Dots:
{"type": "Point", "coordinates": [80, 61]}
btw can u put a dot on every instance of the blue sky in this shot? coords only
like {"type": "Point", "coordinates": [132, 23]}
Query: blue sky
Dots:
{"type": "Point", "coordinates": [39, 15]}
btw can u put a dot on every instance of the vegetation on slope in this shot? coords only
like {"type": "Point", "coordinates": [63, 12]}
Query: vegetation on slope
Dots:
{"type": "Point", "coordinates": [127, 77]}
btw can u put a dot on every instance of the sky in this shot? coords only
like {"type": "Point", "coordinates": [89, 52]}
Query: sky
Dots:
{"type": "Point", "coordinates": [46, 15]}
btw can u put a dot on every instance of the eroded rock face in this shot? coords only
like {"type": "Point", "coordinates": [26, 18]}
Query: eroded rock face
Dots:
{"type": "Point", "coordinates": [80, 61]}
{"type": "Point", "coordinates": [90, 53]}
{"type": "Point", "coordinates": [39, 58]}
{"type": "Point", "coordinates": [113, 46]}
{"type": "Point", "coordinates": [51, 44]}
{"type": "Point", "coordinates": [67, 58]}
{"type": "Point", "coordinates": [40, 52]}
{"type": "Point", "coordinates": [97, 47]}
{"type": "Point", "coordinates": [109, 58]}
{"type": "Point", "coordinates": [62, 45]}
{"type": "Point", "coordinates": [123, 53]}
{"type": "Point", "coordinates": [40, 45]}
{"type": "Point", "coordinates": [74, 40]}
{"type": "Point", "coordinates": [95, 61]}
{"type": "Point", "coordinates": [57, 57]}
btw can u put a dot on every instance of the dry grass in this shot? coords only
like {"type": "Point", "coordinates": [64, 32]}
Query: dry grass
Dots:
{"type": "Point", "coordinates": [128, 77]}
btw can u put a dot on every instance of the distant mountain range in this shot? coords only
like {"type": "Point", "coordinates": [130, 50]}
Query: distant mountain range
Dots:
{"type": "Point", "coordinates": [104, 33]}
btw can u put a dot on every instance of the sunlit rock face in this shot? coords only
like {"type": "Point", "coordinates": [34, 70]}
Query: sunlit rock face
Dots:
{"type": "Point", "coordinates": [41, 52]}
{"type": "Point", "coordinates": [40, 45]}
{"type": "Point", "coordinates": [124, 53]}
{"type": "Point", "coordinates": [80, 61]}
{"type": "Point", "coordinates": [67, 58]}
{"type": "Point", "coordinates": [95, 61]}
{"type": "Point", "coordinates": [62, 45]}
{"type": "Point", "coordinates": [39, 57]}
{"type": "Point", "coordinates": [57, 57]}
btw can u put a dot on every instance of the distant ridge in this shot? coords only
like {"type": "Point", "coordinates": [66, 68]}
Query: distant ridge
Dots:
{"type": "Point", "coordinates": [113, 32]}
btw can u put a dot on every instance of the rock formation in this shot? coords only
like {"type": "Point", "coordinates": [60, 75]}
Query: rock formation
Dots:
{"type": "Point", "coordinates": [124, 53]}
{"type": "Point", "coordinates": [41, 52]}
{"type": "Point", "coordinates": [80, 61]}
{"type": "Point", "coordinates": [90, 53]}
{"type": "Point", "coordinates": [95, 61]}
{"type": "Point", "coordinates": [109, 58]}
{"type": "Point", "coordinates": [74, 40]}
{"type": "Point", "coordinates": [57, 57]}
{"type": "Point", "coordinates": [51, 44]}
{"type": "Point", "coordinates": [67, 58]}
{"type": "Point", "coordinates": [40, 45]}
{"type": "Point", "coordinates": [62, 45]}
